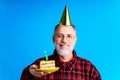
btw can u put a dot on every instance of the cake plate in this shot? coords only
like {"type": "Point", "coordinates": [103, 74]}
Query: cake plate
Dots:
{"type": "Point", "coordinates": [48, 70]}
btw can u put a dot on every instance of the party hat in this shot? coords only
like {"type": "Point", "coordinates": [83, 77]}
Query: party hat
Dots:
{"type": "Point", "coordinates": [65, 19]}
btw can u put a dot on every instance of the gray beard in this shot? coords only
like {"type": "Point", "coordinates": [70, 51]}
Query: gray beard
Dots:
{"type": "Point", "coordinates": [63, 52]}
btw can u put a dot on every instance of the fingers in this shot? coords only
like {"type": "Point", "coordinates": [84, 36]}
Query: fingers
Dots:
{"type": "Point", "coordinates": [33, 66]}
{"type": "Point", "coordinates": [35, 73]}
{"type": "Point", "coordinates": [43, 73]}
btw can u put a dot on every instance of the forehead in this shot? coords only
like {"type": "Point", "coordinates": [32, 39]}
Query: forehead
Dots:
{"type": "Point", "coordinates": [65, 29]}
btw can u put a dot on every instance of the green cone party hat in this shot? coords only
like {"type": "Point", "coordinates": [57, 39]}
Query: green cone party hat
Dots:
{"type": "Point", "coordinates": [65, 19]}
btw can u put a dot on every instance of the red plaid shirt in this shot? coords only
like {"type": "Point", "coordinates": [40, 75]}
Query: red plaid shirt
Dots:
{"type": "Point", "coordinates": [76, 69]}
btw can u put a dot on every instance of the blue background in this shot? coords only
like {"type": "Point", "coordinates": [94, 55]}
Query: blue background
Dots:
{"type": "Point", "coordinates": [26, 29]}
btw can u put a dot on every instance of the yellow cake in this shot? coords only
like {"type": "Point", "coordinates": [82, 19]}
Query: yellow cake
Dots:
{"type": "Point", "coordinates": [47, 64]}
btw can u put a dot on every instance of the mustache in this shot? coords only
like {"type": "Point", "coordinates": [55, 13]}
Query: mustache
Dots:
{"type": "Point", "coordinates": [63, 44]}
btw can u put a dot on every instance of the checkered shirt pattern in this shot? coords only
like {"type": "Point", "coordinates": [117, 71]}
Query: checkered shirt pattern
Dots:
{"type": "Point", "coordinates": [76, 69]}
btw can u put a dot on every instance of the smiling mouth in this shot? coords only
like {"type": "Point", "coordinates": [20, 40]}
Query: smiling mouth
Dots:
{"type": "Point", "coordinates": [64, 46]}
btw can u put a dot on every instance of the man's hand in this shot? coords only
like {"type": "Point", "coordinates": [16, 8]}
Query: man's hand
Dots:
{"type": "Point", "coordinates": [35, 73]}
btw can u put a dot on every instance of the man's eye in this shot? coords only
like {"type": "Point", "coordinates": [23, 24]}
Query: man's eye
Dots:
{"type": "Point", "coordinates": [69, 36]}
{"type": "Point", "coordinates": [59, 35]}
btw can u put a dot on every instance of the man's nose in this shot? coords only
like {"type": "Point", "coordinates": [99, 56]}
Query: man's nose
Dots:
{"type": "Point", "coordinates": [64, 39]}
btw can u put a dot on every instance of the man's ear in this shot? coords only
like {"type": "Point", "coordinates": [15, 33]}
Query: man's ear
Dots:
{"type": "Point", "coordinates": [75, 39]}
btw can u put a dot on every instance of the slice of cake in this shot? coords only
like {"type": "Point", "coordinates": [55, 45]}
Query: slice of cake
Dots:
{"type": "Point", "coordinates": [47, 64]}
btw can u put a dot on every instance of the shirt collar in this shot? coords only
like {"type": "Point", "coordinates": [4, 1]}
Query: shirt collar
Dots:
{"type": "Point", "coordinates": [62, 64]}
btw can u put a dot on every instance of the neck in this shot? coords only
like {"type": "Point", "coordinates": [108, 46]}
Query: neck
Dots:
{"type": "Point", "coordinates": [66, 58]}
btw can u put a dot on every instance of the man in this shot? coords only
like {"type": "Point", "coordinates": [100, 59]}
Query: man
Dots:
{"type": "Point", "coordinates": [71, 66]}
